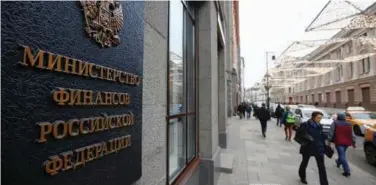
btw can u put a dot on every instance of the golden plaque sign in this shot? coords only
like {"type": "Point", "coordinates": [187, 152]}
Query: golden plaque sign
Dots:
{"type": "Point", "coordinates": [104, 20]}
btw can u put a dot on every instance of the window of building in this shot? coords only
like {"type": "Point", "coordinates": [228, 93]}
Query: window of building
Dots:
{"type": "Point", "coordinates": [366, 97]}
{"type": "Point", "coordinates": [182, 128]}
{"type": "Point", "coordinates": [366, 65]}
{"type": "Point", "coordinates": [328, 97]}
{"type": "Point", "coordinates": [338, 74]}
{"type": "Point", "coordinates": [339, 54]}
{"type": "Point", "coordinates": [327, 78]}
{"type": "Point", "coordinates": [349, 47]}
{"type": "Point", "coordinates": [351, 70]}
{"type": "Point", "coordinates": [319, 80]}
{"type": "Point", "coordinates": [319, 97]}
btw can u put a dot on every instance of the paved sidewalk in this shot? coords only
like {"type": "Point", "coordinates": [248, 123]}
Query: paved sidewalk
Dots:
{"type": "Point", "coordinates": [272, 160]}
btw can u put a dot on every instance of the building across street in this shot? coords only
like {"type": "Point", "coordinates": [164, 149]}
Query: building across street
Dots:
{"type": "Point", "coordinates": [348, 84]}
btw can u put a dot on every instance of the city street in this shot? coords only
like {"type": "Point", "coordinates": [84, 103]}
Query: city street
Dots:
{"type": "Point", "coordinates": [272, 160]}
{"type": "Point", "coordinates": [357, 158]}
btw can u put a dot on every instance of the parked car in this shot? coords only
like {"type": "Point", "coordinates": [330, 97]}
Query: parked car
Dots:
{"type": "Point", "coordinates": [306, 106]}
{"type": "Point", "coordinates": [358, 117]}
{"type": "Point", "coordinates": [293, 107]}
{"type": "Point", "coordinates": [304, 114]}
{"type": "Point", "coordinates": [369, 144]}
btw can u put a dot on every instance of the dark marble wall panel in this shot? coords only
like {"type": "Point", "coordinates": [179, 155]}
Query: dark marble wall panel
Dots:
{"type": "Point", "coordinates": [58, 27]}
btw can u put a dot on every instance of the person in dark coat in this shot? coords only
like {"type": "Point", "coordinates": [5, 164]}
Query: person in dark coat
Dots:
{"type": "Point", "coordinates": [316, 148]}
{"type": "Point", "coordinates": [241, 110]}
{"type": "Point", "coordinates": [342, 135]}
{"type": "Point", "coordinates": [248, 109]}
{"type": "Point", "coordinates": [263, 115]}
{"type": "Point", "coordinates": [278, 114]}
{"type": "Point", "coordinates": [255, 110]}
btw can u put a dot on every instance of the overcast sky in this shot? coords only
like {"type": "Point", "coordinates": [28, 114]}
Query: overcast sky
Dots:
{"type": "Point", "coordinates": [272, 25]}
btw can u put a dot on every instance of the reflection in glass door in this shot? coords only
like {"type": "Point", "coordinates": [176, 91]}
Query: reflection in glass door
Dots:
{"type": "Point", "coordinates": [182, 128]}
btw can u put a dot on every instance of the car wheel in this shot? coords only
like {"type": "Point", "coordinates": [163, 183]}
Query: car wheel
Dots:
{"type": "Point", "coordinates": [370, 152]}
{"type": "Point", "coordinates": [357, 130]}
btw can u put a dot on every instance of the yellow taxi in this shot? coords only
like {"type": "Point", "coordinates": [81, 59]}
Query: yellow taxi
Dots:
{"type": "Point", "coordinates": [358, 117]}
{"type": "Point", "coordinates": [370, 143]}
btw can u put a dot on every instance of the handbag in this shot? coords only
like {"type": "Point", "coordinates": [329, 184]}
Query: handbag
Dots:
{"type": "Point", "coordinates": [329, 151]}
{"type": "Point", "coordinates": [302, 137]}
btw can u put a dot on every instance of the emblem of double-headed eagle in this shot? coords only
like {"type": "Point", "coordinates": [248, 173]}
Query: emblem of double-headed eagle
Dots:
{"type": "Point", "coordinates": [104, 20]}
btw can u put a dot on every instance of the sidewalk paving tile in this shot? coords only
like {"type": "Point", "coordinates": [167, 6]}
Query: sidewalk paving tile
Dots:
{"type": "Point", "coordinates": [272, 160]}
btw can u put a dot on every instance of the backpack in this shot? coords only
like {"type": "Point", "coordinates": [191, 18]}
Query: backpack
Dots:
{"type": "Point", "coordinates": [290, 118]}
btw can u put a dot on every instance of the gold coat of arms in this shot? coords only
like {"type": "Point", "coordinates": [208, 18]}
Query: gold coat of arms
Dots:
{"type": "Point", "coordinates": [103, 21]}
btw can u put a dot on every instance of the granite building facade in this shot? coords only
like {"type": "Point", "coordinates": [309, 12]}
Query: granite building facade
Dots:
{"type": "Point", "coordinates": [192, 91]}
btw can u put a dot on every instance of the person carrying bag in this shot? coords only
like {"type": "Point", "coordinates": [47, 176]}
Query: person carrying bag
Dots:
{"type": "Point", "coordinates": [342, 136]}
{"type": "Point", "coordinates": [312, 141]}
{"type": "Point", "coordinates": [288, 119]}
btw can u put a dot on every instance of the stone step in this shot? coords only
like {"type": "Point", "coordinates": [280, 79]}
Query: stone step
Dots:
{"type": "Point", "coordinates": [226, 163]}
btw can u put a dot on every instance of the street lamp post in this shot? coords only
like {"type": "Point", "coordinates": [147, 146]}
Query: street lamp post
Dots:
{"type": "Point", "coordinates": [267, 76]}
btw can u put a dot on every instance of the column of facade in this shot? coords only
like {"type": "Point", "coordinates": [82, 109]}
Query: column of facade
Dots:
{"type": "Point", "coordinates": [228, 24]}
{"type": "Point", "coordinates": [372, 58]}
{"type": "Point", "coordinates": [208, 93]}
{"type": "Point", "coordinates": [356, 67]}
{"type": "Point", "coordinates": [373, 91]}
{"type": "Point", "coordinates": [343, 95]}
{"type": "Point", "coordinates": [154, 99]}
{"type": "Point", "coordinates": [222, 97]}
{"type": "Point", "coordinates": [357, 74]}
{"type": "Point", "coordinates": [372, 65]}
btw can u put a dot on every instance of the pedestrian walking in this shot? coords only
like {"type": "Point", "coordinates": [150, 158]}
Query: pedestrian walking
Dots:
{"type": "Point", "coordinates": [278, 114]}
{"type": "Point", "coordinates": [249, 111]}
{"type": "Point", "coordinates": [342, 136]}
{"type": "Point", "coordinates": [255, 110]}
{"type": "Point", "coordinates": [288, 119]}
{"type": "Point", "coordinates": [314, 148]}
{"type": "Point", "coordinates": [241, 110]}
{"type": "Point", "coordinates": [263, 115]}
